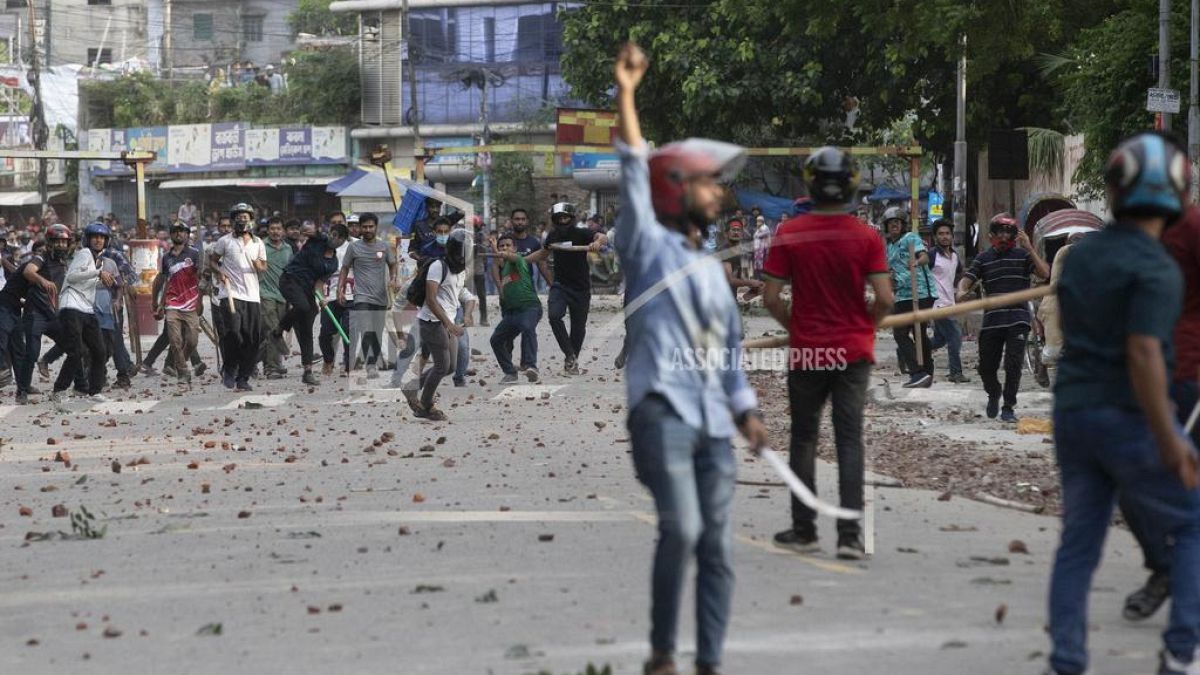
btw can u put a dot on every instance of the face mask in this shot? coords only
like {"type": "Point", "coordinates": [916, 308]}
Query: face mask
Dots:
{"type": "Point", "coordinates": [442, 239]}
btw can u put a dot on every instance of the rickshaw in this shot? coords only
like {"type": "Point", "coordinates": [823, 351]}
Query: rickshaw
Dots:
{"type": "Point", "coordinates": [1050, 233]}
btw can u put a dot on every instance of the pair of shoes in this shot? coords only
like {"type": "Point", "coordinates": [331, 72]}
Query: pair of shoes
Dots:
{"type": "Point", "coordinates": [958, 378]}
{"type": "Point", "coordinates": [531, 374]}
{"type": "Point", "coordinates": [1007, 415]}
{"type": "Point", "coordinates": [919, 380]}
{"type": "Point", "coordinates": [660, 664]}
{"type": "Point", "coordinates": [148, 369]}
{"type": "Point", "coordinates": [200, 368]}
{"type": "Point", "coordinates": [229, 380]}
{"type": "Point", "coordinates": [310, 379]}
{"type": "Point", "coordinates": [44, 368]}
{"type": "Point", "coordinates": [243, 385]}
{"type": "Point", "coordinates": [571, 367]}
{"type": "Point", "coordinates": [123, 382]}
{"type": "Point", "coordinates": [459, 383]}
{"type": "Point", "coordinates": [433, 415]}
{"type": "Point", "coordinates": [1145, 601]}
{"type": "Point", "coordinates": [993, 407]}
{"type": "Point", "coordinates": [799, 541]}
{"type": "Point", "coordinates": [850, 547]}
{"type": "Point", "coordinates": [508, 378]}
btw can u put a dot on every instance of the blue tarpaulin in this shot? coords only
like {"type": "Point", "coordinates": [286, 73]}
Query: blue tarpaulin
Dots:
{"type": "Point", "coordinates": [892, 194]}
{"type": "Point", "coordinates": [773, 208]}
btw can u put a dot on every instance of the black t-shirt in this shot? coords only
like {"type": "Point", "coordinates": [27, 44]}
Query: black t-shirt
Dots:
{"type": "Point", "coordinates": [571, 269]}
{"type": "Point", "coordinates": [17, 287]}
{"type": "Point", "coordinates": [53, 270]}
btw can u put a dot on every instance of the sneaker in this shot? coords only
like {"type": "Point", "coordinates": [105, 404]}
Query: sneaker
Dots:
{"type": "Point", "coordinates": [327, 369]}
{"type": "Point", "coordinates": [508, 378]}
{"type": "Point", "coordinates": [459, 383]}
{"type": "Point", "coordinates": [918, 380]}
{"type": "Point", "coordinates": [243, 385]}
{"type": "Point", "coordinates": [993, 407]}
{"type": "Point", "coordinates": [169, 371]}
{"type": "Point", "coordinates": [200, 368]}
{"type": "Point", "coordinates": [309, 379]}
{"type": "Point", "coordinates": [850, 547]}
{"type": "Point", "coordinates": [44, 368]}
{"type": "Point", "coordinates": [660, 664]}
{"type": "Point", "coordinates": [275, 375]}
{"type": "Point", "coordinates": [123, 382]}
{"type": "Point", "coordinates": [99, 398]}
{"type": "Point", "coordinates": [58, 396]}
{"type": "Point", "coordinates": [1007, 415]}
{"type": "Point", "coordinates": [800, 542]}
{"type": "Point", "coordinates": [1145, 601]}
{"type": "Point", "coordinates": [148, 369]}
{"type": "Point", "coordinates": [531, 374]}
{"type": "Point", "coordinates": [229, 380]}
{"type": "Point", "coordinates": [570, 367]}
{"type": "Point", "coordinates": [22, 398]}
{"type": "Point", "coordinates": [958, 378]}
{"type": "Point", "coordinates": [1169, 665]}
{"type": "Point", "coordinates": [433, 415]}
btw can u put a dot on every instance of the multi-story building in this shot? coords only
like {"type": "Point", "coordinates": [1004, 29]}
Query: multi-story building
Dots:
{"type": "Point", "coordinates": [211, 32]}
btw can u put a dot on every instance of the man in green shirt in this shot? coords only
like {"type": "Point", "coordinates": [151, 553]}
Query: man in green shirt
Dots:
{"type": "Point", "coordinates": [279, 254]}
{"type": "Point", "coordinates": [520, 309]}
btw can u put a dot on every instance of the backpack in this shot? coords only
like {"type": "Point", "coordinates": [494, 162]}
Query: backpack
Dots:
{"type": "Point", "coordinates": [415, 293]}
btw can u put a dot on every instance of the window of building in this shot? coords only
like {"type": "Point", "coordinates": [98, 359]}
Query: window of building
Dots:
{"type": "Point", "coordinates": [15, 4]}
{"type": "Point", "coordinates": [434, 36]}
{"type": "Point", "coordinates": [202, 26]}
{"type": "Point", "coordinates": [539, 38]}
{"type": "Point", "coordinates": [489, 39]}
{"type": "Point", "coordinates": [252, 28]}
{"type": "Point", "coordinates": [99, 2]}
{"type": "Point", "coordinates": [104, 54]}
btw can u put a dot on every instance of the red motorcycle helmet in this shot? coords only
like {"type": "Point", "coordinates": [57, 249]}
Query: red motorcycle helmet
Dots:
{"type": "Point", "coordinates": [673, 165]}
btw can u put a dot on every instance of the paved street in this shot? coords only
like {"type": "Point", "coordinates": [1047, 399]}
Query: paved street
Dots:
{"type": "Point", "coordinates": [328, 531]}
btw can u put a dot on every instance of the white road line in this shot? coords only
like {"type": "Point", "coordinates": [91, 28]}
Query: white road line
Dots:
{"type": "Point", "coordinates": [122, 407]}
{"type": "Point", "coordinates": [520, 392]}
{"type": "Point", "coordinates": [6, 409]}
{"type": "Point", "coordinates": [265, 400]}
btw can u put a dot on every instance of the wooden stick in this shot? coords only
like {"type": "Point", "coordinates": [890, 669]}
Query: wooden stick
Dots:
{"type": "Point", "coordinates": [229, 296]}
{"type": "Point", "coordinates": [1008, 503]}
{"type": "Point", "coordinates": [912, 276]}
{"type": "Point", "coordinates": [569, 248]}
{"type": "Point", "coordinates": [928, 315]}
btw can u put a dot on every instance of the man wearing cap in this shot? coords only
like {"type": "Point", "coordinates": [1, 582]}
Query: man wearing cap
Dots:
{"type": "Point", "coordinates": [570, 281]}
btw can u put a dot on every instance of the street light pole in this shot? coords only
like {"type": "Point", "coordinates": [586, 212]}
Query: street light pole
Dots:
{"type": "Point", "coordinates": [960, 153]}
{"type": "Point", "coordinates": [1164, 56]}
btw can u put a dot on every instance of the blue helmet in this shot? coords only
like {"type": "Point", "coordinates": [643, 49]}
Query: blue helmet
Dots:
{"type": "Point", "coordinates": [1148, 175]}
{"type": "Point", "coordinates": [96, 228]}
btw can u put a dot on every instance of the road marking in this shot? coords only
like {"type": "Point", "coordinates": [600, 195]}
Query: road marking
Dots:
{"type": "Point", "coordinates": [520, 392]}
{"type": "Point", "coordinates": [6, 409]}
{"type": "Point", "coordinates": [869, 519]}
{"type": "Point", "coordinates": [122, 407]}
{"type": "Point", "coordinates": [265, 400]}
{"type": "Point", "coordinates": [516, 516]}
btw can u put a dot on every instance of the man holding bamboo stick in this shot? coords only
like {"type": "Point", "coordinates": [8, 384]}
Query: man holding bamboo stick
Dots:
{"type": "Point", "coordinates": [909, 262]}
{"type": "Point", "coordinates": [237, 259]}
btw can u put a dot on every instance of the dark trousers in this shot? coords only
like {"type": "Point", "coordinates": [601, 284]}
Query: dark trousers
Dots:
{"type": "Point", "coordinates": [513, 323]}
{"type": "Point", "coordinates": [905, 336]}
{"type": "Point", "coordinates": [368, 322]}
{"type": "Point", "coordinates": [481, 293]}
{"type": "Point", "coordinates": [302, 310]}
{"type": "Point", "coordinates": [993, 344]}
{"type": "Point", "coordinates": [119, 356]}
{"type": "Point", "coordinates": [242, 338]}
{"type": "Point", "coordinates": [161, 345]}
{"type": "Point", "coordinates": [12, 338]}
{"type": "Point", "coordinates": [35, 324]}
{"type": "Point", "coordinates": [329, 333]}
{"type": "Point", "coordinates": [81, 333]}
{"type": "Point", "coordinates": [577, 302]}
{"type": "Point", "coordinates": [807, 392]}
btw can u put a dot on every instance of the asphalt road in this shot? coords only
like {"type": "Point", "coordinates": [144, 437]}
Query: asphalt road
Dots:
{"type": "Point", "coordinates": [328, 531]}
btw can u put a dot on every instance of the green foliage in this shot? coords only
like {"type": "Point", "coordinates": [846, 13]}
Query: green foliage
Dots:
{"type": "Point", "coordinates": [323, 88]}
{"type": "Point", "coordinates": [314, 17]}
{"type": "Point", "coordinates": [512, 180]}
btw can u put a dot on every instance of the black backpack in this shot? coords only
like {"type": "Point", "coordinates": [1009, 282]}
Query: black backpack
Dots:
{"type": "Point", "coordinates": [415, 293]}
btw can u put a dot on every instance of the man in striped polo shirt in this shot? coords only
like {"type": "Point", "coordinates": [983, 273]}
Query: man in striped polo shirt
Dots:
{"type": "Point", "coordinates": [1004, 268]}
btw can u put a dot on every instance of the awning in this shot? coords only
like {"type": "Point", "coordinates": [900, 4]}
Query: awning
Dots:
{"type": "Point", "coordinates": [282, 181]}
{"type": "Point", "coordinates": [369, 182]}
{"type": "Point", "coordinates": [26, 198]}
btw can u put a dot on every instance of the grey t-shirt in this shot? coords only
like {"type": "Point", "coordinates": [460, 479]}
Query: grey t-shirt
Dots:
{"type": "Point", "coordinates": [369, 262]}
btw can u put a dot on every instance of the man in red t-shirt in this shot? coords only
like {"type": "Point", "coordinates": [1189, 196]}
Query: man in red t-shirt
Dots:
{"type": "Point", "coordinates": [829, 257]}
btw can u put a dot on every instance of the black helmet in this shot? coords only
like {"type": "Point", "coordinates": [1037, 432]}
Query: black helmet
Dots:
{"type": "Point", "coordinates": [458, 249]}
{"type": "Point", "coordinates": [830, 176]}
{"type": "Point", "coordinates": [895, 213]}
{"type": "Point", "coordinates": [1148, 175]}
{"type": "Point", "coordinates": [241, 207]}
{"type": "Point", "coordinates": [566, 208]}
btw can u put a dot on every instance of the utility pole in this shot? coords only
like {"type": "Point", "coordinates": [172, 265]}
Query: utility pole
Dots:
{"type": "Point", "coordinates": [960, 153]}
{"type": "Point", "coordinates": [166, 44]}
{"type": "Point", "coordinates": [1193, 98]}
{"type": "Point", "coordinates": [1164, 56]}
{"type": "Point", "coordinates": [418, 144]}
{"type": "Point", "coordinates": [485, 158]}
{"type": "Point", "coordinates": [37, 115]}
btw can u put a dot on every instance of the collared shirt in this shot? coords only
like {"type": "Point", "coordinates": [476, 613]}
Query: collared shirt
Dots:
{"type": "Point", "coordinates": [182, 289]}
{"type": "Point", "coordinates": [677, 308]}
{"type": "Point", "coordinates": [1001, 273]}
{"type": "Point", "coordinates": [277, 259]}
{"type": "Point", "coordinates": [946, 269]}
{"type": "Point", "coordinates": [898, 256]}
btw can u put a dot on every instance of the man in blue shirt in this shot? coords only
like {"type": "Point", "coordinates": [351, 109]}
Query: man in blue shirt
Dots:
{"type": "Point", "coordinates": [907, 256]}
{"type": "Point", "coordinates": [682, 414]}
{"type": "Point", "coordinates": [1120, 295]}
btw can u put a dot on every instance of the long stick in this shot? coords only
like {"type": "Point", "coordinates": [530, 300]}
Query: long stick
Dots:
{"type": "Point", "coordinates": [135, 332]}
{"type": "Point", "coordinates": [928, 315]}
{"type": "Point", "coordinates": [228, 296]}
{"type": "Point", "coordinates": [802, 492]}
{"type": "Point", "coordinates": [329, 313]}
{"type": "Point", "coordinates": [569, 248]}
{"type": "Point", "coordinates": [912, 275]}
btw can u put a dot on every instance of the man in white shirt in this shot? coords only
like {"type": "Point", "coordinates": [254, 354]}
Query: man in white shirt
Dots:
{"type": "Point", "coordinates": [77, 315]}
{"type": "Point", "coordinates": [236, 260]}
{"type": "Point", "coordinates": [445, 293]}
{"type": "Point", "coordinates": [947, 270]}
{"type": "Point", "coordinates": [187, 212]}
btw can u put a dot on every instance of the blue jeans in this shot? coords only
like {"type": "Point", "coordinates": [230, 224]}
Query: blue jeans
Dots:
{"type": "Point", "coordinates": [691, 476]}
{"type": "Point", "coordinates": [946, 334]}
{"type": "Point", "coordinates": [524, 323]}
{"type": "Point", "coordinates": [1103, 451]}
{"type": "Point", "coordinates": [463, 360]}
{"type": "Point", "coordinates": [34, 324]}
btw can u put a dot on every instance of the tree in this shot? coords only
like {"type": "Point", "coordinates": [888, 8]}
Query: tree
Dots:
{"type": "Point", "coordinates": [314, 17]}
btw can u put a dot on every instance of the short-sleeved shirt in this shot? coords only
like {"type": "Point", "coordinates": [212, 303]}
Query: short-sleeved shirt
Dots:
{"type": "Point", "coordinates": [237, 262]}
{"type": "Point", "coordinates": [277, 260]}
{"type": "Point", "coordinates": [1001, 273]}
{"type": "Point", "coordinates": [54, 271]}
{"type": "Point", "coordinates": [18, 287]}
{"type": "Point", "coordinates": [1116, 283]}
{"type": "Point", "coordinates": [516, 287]}
{"type": "Point", "coordinates": [370, 265]}
{"type": "Point", "coordinates": [571, 268]}
{"type": "Point", "coordinates": [183, 279]}
{"type": "Point", "coordinates": [526, 245]}
{"type": "Point", "coordinates": [898, 257]}
{"type": "Point", "coordinates": [1182, 241]}
{"type": "Point", "coordinates": [827, 257]}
